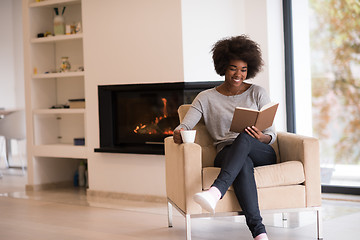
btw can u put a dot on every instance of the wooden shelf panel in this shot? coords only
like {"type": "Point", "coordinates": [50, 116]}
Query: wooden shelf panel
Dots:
{"type": "Point", "coordinates": [57, 38]}
{"type": "Point", "coordinates": [53, 3]}
{"type": "Point", "coordinates": [60, 150]}
{"type": "Point", "coordinates": [58, 75]}
{"type": "Point", "coordinates": [60, 111]}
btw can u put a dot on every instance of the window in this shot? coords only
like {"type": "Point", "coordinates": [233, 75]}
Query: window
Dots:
{"type": "Point", "coordinates": [326, 60]}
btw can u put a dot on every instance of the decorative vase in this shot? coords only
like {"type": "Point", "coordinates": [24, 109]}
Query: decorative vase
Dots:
{"type": "Point", "coordinates": [65, 65]}
{"type": "Point", "coordinates": [59, 25]}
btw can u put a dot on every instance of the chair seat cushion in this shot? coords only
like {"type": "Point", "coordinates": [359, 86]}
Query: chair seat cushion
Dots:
{"type": "Point", "coordinates": [280, 174]}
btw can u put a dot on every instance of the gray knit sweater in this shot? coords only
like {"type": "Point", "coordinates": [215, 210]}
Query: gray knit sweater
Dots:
{"type": "Point", "coordinates": [218, 109]}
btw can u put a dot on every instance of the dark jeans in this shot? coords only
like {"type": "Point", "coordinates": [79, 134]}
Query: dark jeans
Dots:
{"type": "Point", "coordinates": [237, 162]}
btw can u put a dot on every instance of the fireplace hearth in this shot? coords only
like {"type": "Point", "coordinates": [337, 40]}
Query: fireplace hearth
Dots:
{"type": "Point", "coordinates": [135, 118]}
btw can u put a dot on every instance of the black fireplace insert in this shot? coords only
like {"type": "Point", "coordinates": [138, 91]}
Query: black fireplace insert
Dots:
{"type": "Point", "coordinates": [135, 118]}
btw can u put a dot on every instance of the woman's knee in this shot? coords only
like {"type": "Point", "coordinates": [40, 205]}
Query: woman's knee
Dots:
{"type": "Point", "coordinates": [245, 180]}
{"type": "Point", "coordinates": [248, 166]}
{"type": "Point", "coordinates": [243, 138]}
{"type": "Point", "coordinates": [247, 170]}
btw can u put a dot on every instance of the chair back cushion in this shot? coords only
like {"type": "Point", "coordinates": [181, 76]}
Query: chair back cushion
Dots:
{"type": "Point", "coordinates": [202, 138]}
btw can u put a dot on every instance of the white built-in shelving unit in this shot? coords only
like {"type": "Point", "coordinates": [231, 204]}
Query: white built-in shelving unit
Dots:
{"type": "Point", "coordinates": [51, 130]}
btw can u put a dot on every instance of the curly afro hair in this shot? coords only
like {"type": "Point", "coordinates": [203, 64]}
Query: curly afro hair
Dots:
{"type": "Point", "coordinates": [237, 48]}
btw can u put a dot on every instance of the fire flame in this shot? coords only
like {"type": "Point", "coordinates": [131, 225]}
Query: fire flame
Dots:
{"type": "Point", "coordinates": [165, 107]}
{"type": "Point", "coordinates": [153, 128]}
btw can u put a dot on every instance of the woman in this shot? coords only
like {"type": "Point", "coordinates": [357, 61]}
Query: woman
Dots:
{"type": "Point", "coordinates": [236, 58]}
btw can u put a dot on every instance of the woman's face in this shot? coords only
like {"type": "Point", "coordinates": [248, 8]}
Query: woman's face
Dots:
{"type": "Point", "coordinates": [236, 72]}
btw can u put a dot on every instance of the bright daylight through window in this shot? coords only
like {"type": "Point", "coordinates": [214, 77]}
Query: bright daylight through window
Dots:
{"type": "Point", "coordinates": [334, 29]}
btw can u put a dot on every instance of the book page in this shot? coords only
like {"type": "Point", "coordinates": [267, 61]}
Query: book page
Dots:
{"type": "Point", "coordinates": [247, 109]}
{"type": "Point", "coordinates": [266, 117]}
{"type": "Point", "coordinates": [269, 105]}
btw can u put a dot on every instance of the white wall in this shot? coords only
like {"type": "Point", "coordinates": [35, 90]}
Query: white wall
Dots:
{"type": "Point", "coordinates": [128, 42]}
{"type": "Point", "coordinates": [276, 61]}
{"type": "Point", "coordinates": [11, 55]}
{"type": "Point", "coordinates": [204, 22]}
{"type": "Point", "coordinates": [163, 41]}
{"type": "Point", "coordinates": [135, 41]}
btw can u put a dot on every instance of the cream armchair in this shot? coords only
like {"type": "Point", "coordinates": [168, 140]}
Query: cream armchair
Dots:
{"type": "Point", "coordinates": [293, 184]}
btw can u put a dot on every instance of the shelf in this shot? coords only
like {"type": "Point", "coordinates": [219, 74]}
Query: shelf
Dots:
{"type": "Point", "coordinates": [60, 111]}
{"type": "Point", "coordinates": [57, 38]}
{"type": "Point", "coordinates": [60, 150]}
{"type": "Point", "coordinates": [53, 3]}
{"type": "Point", "coordinates": [58, 75]}
{"type": "Point", "coordinates": [52, 131]}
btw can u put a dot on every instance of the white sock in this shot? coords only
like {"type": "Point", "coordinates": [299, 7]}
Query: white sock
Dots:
{"type": "Point", "coordinates": [208, 199]}
{"type": "Point", "coordinates": [215, 192]}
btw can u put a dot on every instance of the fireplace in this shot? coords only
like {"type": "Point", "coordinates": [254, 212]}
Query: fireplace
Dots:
{"type": "Point", "coordinates": [135, 118]}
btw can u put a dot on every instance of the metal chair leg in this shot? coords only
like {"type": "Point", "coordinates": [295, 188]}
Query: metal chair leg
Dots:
{"type": "Point", "coordinates": [3, 151]}
{"type": "Point", "coordinates": [188, 227]}
{"type": "Point", "coordinates": [170, 214]}
{"type": "Point", "coordinates": [285, 217]}
{"type": "Point", "coordinates": [319, 224]}
{"type": "Point", "coordinates": [20, 154]}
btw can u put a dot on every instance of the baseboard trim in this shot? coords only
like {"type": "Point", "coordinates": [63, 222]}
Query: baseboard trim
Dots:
{"type": "Point", "coordinates": [93, 194]}
{"type": "Point", "coordinates": [48, 186]}
{"type": "Point", "coordinates": [125, 196]}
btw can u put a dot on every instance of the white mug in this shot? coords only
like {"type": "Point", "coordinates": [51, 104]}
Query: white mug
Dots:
{"type": "Point", "coordinates": [188, 136]}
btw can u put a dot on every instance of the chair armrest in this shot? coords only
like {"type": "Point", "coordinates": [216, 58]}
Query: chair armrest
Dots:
{"type": "Point", "coordinates": [304, 149]}
{"type": "Point", "coordinates": [183, 174]}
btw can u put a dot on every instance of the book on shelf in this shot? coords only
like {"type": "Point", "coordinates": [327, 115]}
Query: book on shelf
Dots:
{"type": "Point", "coordinates": [77, 103]}
{"type": "Point", "coordinates": [246, 117]}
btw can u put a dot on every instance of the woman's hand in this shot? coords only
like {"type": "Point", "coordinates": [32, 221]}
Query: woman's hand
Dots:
{"type": "Point", "coordinates": [256, 133]}
{"type": "Point", "coordinates": [177, 136]}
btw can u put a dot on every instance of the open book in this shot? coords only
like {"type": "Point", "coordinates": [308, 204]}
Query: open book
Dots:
{"type": "Point", "coordinates": [246, 117]}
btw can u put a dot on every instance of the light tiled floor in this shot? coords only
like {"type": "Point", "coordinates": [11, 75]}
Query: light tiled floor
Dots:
{"type": "Point", "coordinates": [70, 214]}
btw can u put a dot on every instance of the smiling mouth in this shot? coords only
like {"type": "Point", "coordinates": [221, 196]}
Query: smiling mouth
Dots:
{"type": "Point", "coordinates": [237, 79]}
